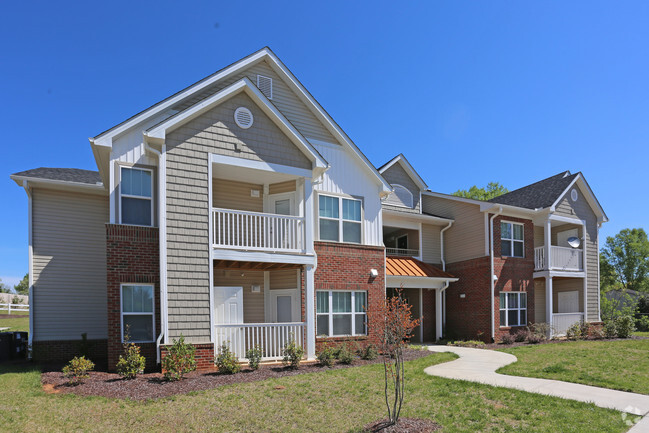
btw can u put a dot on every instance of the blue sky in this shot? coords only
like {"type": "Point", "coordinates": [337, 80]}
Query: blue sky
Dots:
{"type": "Point", "coordinates": [471, 92]}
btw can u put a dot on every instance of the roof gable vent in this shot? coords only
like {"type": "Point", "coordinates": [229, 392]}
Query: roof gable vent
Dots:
{"type": "Point", "coordinates": [265, 84]}
{"type": "Point", "coordinates": [243, 117]}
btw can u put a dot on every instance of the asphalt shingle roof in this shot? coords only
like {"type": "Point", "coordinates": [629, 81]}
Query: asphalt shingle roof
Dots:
{"type": "Point", "coordinates": [538, 195]}
{"type": "Point", "coordinates": [75, 175]}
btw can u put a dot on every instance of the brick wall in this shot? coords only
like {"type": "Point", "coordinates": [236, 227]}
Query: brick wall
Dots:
{"type": "Point", "coordinates": [347, 267]}
{"type": "Point", "coordinates": [132, 257]}
{"type": "Point", "coordinates": [428, 308]}
{"type": "Point", "coordinates": [64, 350]}
{"type": "Point", "coordinates": [204, 355]}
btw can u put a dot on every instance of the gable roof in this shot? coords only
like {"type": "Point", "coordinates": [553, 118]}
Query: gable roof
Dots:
{"type": "Point", "coordinates": [72, 175]}
{"type": "Point", "coordinates": [405, 164]}
{"type": "Point", "coordinates": [538, 195]}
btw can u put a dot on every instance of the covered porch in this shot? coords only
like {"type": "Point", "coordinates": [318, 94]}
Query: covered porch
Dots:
{"type": "Point", "coordinates": [559, 301]}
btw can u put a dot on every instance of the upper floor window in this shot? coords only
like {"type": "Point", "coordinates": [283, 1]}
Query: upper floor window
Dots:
{"type": "Point", "coordinates": [511, 239]}
{"type": "Point", "coordinates": [136, 198]}
{"type": "Point", "coordinates": [402, 196]}
{"type": "Point", "coordinates": [340, 219]}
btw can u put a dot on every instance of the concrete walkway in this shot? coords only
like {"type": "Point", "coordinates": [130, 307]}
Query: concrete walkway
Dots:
{"type": "Point", "coordinates": [480, 365]}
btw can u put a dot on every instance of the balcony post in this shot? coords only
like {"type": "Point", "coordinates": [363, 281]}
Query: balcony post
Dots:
{"type": "Point", "coordinates": [548, 302]}
{"type": "Point", "coordinates": [309, 311]}
{"type": "Point", "coordinates": [309, 219]}
{"type": "Point", "coordinates": [547, 231]}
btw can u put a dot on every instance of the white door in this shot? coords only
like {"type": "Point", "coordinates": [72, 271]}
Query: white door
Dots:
{"type": "Point", "coordinates": [228, 310]}
{"type": "Point", "coordinates": [284, 305]}
{"type": "Point", "coordinates": [568, 302]}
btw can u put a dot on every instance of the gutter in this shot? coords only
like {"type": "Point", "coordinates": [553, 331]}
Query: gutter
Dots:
{"type": "Point", "coordinates": [30, 268]}
{"type": "Point", "coordinates": [492, 277]}
{"type": "Point", "coordinates": [441, 241]}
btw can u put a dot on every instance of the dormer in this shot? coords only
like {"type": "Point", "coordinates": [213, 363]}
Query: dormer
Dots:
{"type": "Point", "coordinates": [407, 185]}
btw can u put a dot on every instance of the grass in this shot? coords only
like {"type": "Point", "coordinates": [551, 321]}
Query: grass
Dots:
{"type": "Point", "coordinates": [18, 323]}
{"type": "Point", "coordinates": [641, 334]}
{"type": "Point", "coordinates": [621, 365]}
{"type": "Point", "coordinates": [334, 401]}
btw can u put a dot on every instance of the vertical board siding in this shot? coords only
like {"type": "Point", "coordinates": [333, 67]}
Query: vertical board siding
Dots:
{"type": "Point", "coordinates": [229, 194]}
{"type": "Point", "coordinates": [283, 98]}
{"type": "Point", "coordinates": [466, 238]}
{"type": "Point", "coordinates": [396, 175]}
{"type": "Point", "coordinates": [69, 241]}
{"type": "Point", "coordinates": [580, 209]}
{"type": "Point", "coordinates": [253, 303]}
{"type": "Point", "coordinates": [431, 248]}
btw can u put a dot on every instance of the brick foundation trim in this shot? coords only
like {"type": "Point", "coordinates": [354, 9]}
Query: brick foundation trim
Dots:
{"type": "Point", "coordinates": [204, 355]}
{"type": "Point", "coordinates": [64, 350]}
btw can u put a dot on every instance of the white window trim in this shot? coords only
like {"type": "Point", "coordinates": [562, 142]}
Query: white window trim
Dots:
{"type": "Point", "coordinates": [353, 313]}
{"type": "Point", "coordinates": [122, 313]}
{"type": "Point", "coordinates": [405, 205]}
{"type": "Point", "coordinates": [512, 240]}
{"type": "Point", "coordinates": [121, 207]}
{"type": "Point", "coordinates": [340, 218]}
{"type": "Point", "coordinates": [506, 309]}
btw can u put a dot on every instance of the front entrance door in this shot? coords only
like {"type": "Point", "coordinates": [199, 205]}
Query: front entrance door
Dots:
{"type": "Point", "coordinates": [284, 306]}
{"type": "Point", "coordinates": [228, 310]}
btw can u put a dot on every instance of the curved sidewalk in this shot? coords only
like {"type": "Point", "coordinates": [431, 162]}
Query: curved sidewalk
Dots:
{"type": "Point", "coordinates": [480, 365]}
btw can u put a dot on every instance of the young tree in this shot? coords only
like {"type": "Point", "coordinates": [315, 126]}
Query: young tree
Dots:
{"type": "Point", "coordinates": [626, 260]}
{"type": "Point", "coordinates": [22, 288]}
{"type": "Point", "coordinates": [4, 288]}
{"type": "Point", "coordinates": [493, 189]}
{"type": "Point", "coordinates": [392, 323]}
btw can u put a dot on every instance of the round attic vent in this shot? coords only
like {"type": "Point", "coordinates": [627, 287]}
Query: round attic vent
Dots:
{"type": "Point", "coordinates": [574, 195]}
{"type": "Point", "coordinates": [243, 117]}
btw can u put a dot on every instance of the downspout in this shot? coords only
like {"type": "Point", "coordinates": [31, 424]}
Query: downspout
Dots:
{"type": "Point", "coordinates": [30, 269]}
{"type": "Point", "coordinates": [491, 274]}
{"type": "Point", "coordinates": [162, 229]}
{"type": "Point", "coordinates": [441, 242]}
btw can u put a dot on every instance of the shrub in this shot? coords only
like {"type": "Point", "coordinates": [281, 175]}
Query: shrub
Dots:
{"type": "Point", "coordinates": [540, 329]}
{"type": "Point", "coordinates": [533, 338]}
{"type": "Point", "coordinates": [179, 360]}
{"type": "Point", "coordinates": [369, 352]}
{"type": "Point", "coordinates": [226, 361]}
{"type": "Point", "coordinates": [521, 335]}
{"type": "Point", "coordinates": [254, 357]}
{"type": "Point", "coordinates": [507, 339]}
{"type": "Point", "coordinates": [624, 326]}
{"type": "Point", "coordinates": [467, 343]}
{"type": "Point", "coordinates": [77, 369]}
{"type": "Point", "coordinates": [293, 353]}
{"type": "Point", "coordinates": [610, 330]}
{"type": "Point", "coordinates": [345, 355]}
{"type": "Point", "coordinates": [642, 323]}
{"type": "Point", "coordinates": [326, 356]}
{"type": "Point", "coordinates": [132, 363]}
{"type": "Point", "coordinates": [596, 332]}
{"type": "Point", "coordinates": [575, 331]}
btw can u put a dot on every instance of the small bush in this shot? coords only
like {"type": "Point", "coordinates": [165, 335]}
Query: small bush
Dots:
{"type": "Point", "coordinates": [533, 338]}
{"type": "Point", "coordinates": [369, 352]}
{"type": "Point", "coordinates": [610, 330]}
{"type": "Point", "coordinates": [254, 357]}
{"type": "Point", "coordinates": [642, 323]}
{"type": "Point", "coordinates": [596, 332]}
{"type": "Point", "coordinates": [345, 355]}
{"type": "Point", "coordinates": [132, 363]}
{"type": "Point", "coordinates": [467, 343]}
{"type": "Point", "coordinates": [292, 354]}
{"type": "Point", "coordinates": [540, 329]}
{"type": "Point", "coordinates": [624, 326]}
{"type": "Point", "coordinates": [521, 335]}
{"type": "Point", "coordinates": [575, 331]}
{"type": "Point", "coordinates": [326, 356]}
{"type": "Point", "coordinates": [507, 339]}
{"type": "Point", "coordinates": [77, 369]}
{"type": "Point", "coordinates": [179, 360]}
{"type": "Point", "coordinates": [226, 361]}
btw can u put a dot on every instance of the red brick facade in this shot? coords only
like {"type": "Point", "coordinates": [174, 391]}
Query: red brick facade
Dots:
{"type": "Point", "coordinates": [64, 350]}
{"type": "Point", "coordinates": [132, 256]}
{"type": "Point", "coordinates": [204, 355]}
{"type": "Point", "coordinates": [470, 316]}
{"type": "Point", "coordinates": [428, 310]}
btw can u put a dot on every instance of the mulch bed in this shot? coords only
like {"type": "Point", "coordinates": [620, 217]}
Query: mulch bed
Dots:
{"type": "Point", "coordinates": [153, 385]}
{"type": "Point", "coordinates": [404, 425]}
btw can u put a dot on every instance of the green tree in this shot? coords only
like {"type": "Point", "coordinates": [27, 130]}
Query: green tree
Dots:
{"type": "Point", "coordinates": [22, 288]}
{"type": "Point", "coordinates": [493, 189]}
{"type": "Point", "coordinates": [4, 288]}
{"type": "Point", "coordinates": [625, 260]}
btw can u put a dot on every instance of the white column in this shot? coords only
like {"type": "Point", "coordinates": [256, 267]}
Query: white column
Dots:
{"type": "Point", "coordinates": [585, 270]}
{"type": "Point", "coordinates": [309, 219]}
{"type": "Point", "coordinates": [438, 313]}
{"type": "Point", "coordinates": [548, 300]}
{"type": "Point", "coordinates": [547, 231]}
{"type": "Point", "coordinates": [309, 311]}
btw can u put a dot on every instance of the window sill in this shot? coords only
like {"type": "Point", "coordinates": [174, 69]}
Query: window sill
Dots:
{"type": "Point", "coordinates": [332, 337]}
{"type": "Point", "coordinates": [505, 328]}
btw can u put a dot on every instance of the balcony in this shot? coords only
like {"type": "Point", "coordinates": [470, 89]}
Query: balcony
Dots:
{"type": "Point", "coordinates": [257, 231]}
{"type": "Point", "coordinates": [269, 337]}
{"type": "Point", "coordinates": [561, 259]}
{"type": "Point", "coordinates": [404, 252]}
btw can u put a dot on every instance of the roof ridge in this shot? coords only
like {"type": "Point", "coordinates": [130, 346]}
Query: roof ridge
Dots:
{"type": "Point", "coordinates": [563, 175]}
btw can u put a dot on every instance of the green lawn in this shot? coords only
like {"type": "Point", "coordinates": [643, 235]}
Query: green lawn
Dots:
{"type": "Point", "coordinates": [641, 334]}
{"type": "Point", "coordinates": [333, 401]}
{"type": "Point", "coordinates": [18, 323]}
{"type": "Point", "coordinates": [622, 365]}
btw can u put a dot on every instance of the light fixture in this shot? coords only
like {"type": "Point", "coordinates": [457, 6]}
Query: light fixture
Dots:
{"type": "Point", "coordinates": [374, 273]}
{"type": "Point", "coordinates": [495, 277]}
{"type": "Point", "coordinates": [462, 295]}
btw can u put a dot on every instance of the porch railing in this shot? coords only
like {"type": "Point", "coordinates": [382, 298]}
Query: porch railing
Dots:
{"type": "Point", "coordinates": [562, 258]}
{"type": "Point", "coordinates": [270, 337]}
{"type": "Point", "coordinates": [257, 231]}
{"type": "Point", "coordinates": [402, 252]}
{"type": "Point", "coordinates": [562, 321]}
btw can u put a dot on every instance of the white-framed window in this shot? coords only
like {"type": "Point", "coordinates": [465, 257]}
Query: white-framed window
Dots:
{"type": "Point", "coordinates": [512, 242]}
{"type": "Point", "coordinates": [340, 313]}
{"type": "Point", "coordinates": [138, 312]}
{"type": "Point", "coordinates": [513, 308]}
{"type": "Point", "coordinates": [403, 196]}
{"type": "Point", "coordinates": [339, 219]}
{"type": "Point", "coordinates": [136, 196]}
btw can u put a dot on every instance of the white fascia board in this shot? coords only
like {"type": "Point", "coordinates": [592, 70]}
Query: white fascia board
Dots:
{"type": "Point", "coordinates": [102, 156]}
{"type": "Point", "coordinates": [157, 133]}
{"type": "Point", "coordinates": [260, 165]}
{"type": "Point", "coordinates": [401, 159]}
{"type": "Point", "coordinates": [589, 196]}
{"type": "Point", "coordinates": [568, 220]}
{"type": "Point", "coordinates": [35, 182]}
{"type": "Point", "coordinates": [430, 219]}
{"type": "Point", "coordinates": [565, 274]}
{"type": "Point", "coordinates": [397, 281]}
{"type": "Point", "coordinates": [324, 117]}
{"type": "Point", "coordinates": [256, 256]}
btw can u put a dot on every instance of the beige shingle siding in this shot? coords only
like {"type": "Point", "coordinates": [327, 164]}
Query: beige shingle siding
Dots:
{"type": "Point", "coordinates": [69, 239]}
{"type": "Point", "coordinates": [229, 194]}
{"type": "Point", "coordinates": [466, 238]}
{"type": "Point", "coordinates": [283, 98]}
{"type": "Point", "coordinates": [282, 187]}
{"type": "Point", "coordinates": [580, 209]}
{"type": "Point", "coordinates": [431, 243]}
{"type": "Point", "coordinates": [188, 245]}
{"type": "Point", "coordinates": [396, 175]}
{"type": "Point", "coordinates": [283, 279]}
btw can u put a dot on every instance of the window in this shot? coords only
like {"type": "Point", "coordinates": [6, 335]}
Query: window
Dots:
{"type": "Point", "coordinates": [513, 309]}
{"type": "Point", "coordinates": [334, 223]}
{"type": "Point", "coordinates": [137, 312]}
{"type": "Point", "coordinates": [511, 239]}
{"type": "Point", "coordinates": [341, 313]}
{"type": "Point", "coordinates": [401, 197]}
{"type": "Point", "coordinates": [136, 199]}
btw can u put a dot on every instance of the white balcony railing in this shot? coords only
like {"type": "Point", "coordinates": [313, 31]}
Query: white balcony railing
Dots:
{"type": "Point", "coordinates": [257, 231]}
{"type": "Point", "coordinates": [402, 252]}
{"type": "Point", "coordinates": [562, 259]}
{"type": "Point", "coordinates": [270, 337]}
{"type": "Point", "coordinates": [562, 321]}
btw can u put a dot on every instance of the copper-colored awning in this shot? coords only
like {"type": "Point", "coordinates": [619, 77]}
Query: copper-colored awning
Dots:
{"type": "Point", "coordinates": [411, 267]}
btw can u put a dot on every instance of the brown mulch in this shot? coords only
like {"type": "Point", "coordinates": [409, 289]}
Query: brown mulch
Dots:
{"type": "Point", "coordinates": [404, 425]}
{"type": "Point", "coordinates": [153, 385]}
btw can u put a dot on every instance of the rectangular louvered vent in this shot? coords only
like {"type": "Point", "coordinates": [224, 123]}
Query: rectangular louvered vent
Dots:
{"type": "Point", "coordinates": [265, 84]}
